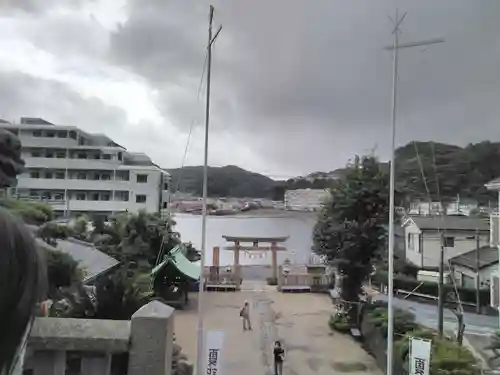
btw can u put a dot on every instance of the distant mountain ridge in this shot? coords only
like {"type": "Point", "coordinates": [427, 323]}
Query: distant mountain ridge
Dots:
{"type": "Point", "coordinates": [460, 171]}
{"type": "Point", "coordinates": [227, 181]}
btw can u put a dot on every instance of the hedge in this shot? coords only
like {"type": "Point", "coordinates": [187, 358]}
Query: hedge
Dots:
{"type": "Point", "coordinates": [467, 295]}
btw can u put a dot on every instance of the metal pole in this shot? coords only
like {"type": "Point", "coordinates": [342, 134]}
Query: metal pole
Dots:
{"type": "Point", "coordinates": [478, 266]}
{"type": "Point", "coordinates": [441, 288]}
{"type": "Point", "coordinates": [201, 292]}
{"type": "Point", "coordinates": [390, 291]}
{"type": "Point", "coordinates": [498, 247]}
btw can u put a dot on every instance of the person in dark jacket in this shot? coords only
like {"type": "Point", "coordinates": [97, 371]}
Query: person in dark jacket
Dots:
{"type": "Point", "coordinates": [279, 356]}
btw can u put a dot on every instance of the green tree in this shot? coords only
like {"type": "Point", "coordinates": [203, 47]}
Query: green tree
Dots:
{"type": "Point", "coordinates": [62, 272]}
{"type": "Point", "coordinates": [11, 163]}
{"type": "Point", "coordinates": [350, 229]}
{"type": "Point", "coordinates": [51, 232]}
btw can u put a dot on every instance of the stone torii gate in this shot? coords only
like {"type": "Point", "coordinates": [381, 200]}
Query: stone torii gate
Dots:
{"type": "Point", "coordinates": [242, 243]}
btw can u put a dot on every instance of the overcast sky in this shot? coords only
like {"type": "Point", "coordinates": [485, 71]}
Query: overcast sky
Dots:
{"type": "Point", "coordinates": [297, 86]}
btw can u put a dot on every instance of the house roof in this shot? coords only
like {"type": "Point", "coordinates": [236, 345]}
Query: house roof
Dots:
{"type": "Point", "coordinates": [464, 223]}
{"type": "Point", "coordinates": [493, 184]}
{"type": "Point", "coordinates": [487, 256]}
{"type": "Point", "coordinates": [91, 260]}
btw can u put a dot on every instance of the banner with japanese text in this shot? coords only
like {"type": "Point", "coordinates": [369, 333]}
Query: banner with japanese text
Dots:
{"type": "Point", "coordinates": [214, 341]}
{"type": "Point", "coordinates": [420, 356]}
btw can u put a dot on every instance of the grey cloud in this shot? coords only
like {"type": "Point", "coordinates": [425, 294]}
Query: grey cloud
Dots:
{"type": "Point", "coordinates": [309, 71]}
{"type": "Point", "coordinates": [24, 95]}
{"type": "Point", "coordinates": [36, 6]}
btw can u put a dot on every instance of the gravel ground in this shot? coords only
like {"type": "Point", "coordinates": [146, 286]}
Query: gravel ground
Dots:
{"type": "Point", "coordinates": [298, 320]}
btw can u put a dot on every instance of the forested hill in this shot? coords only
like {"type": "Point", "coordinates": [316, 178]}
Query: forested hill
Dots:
{"type": "Point", "coordinates": [228, 181]}
{"type": "Point", "coordinates": [459, 170]}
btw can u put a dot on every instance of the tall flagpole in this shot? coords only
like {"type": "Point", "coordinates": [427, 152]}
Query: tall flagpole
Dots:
{"type": "Point", "coordinates": [390, 284]}
{"type": "Point", "coordinates": [201, 292]}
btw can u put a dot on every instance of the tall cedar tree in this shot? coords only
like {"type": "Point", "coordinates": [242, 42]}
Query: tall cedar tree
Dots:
{"type": "Point", "coordinates": [350, 230]}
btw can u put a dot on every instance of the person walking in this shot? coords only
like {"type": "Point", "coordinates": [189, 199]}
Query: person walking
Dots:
{"type": "Point", "coordinates": [279, 356]}
{"type": "Point", "coordinates": [245, 316]}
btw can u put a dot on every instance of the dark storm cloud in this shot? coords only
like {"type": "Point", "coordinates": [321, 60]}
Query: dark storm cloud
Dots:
{"type": "Point", "coordinates": [24, 95]}
{"type": "Point", "coordinates": [315, 73]}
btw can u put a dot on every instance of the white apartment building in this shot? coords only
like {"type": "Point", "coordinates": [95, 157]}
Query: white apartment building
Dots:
{"type": "Point", "coordinates": [305, 199]}
{"type": "Point", "coordinates": [78, 172]}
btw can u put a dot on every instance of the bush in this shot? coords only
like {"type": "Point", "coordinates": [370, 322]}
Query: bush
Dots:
{"type": "Point", "coordinates": [447, 357]}
{"type": "Point", "coordinates": [339, 322]}
{"type": "Point", "coordinates": [53, 231]}
{"type": "Point", "coordinates": [272, 281]}
{"type": "Point", "coordinates": [404, 321]}
{"type": "Point", "coordinates": [62, 270]}
{"type": "Point", "coordinates": [31, 212]}
{"type": "Point", "coordinates": [405, 283]}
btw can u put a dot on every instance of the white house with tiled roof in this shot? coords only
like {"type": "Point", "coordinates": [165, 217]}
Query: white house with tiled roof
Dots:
{"type": "Point", "coordinates": [423, 237]}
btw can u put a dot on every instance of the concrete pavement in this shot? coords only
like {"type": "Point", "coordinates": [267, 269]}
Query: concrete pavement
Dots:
{"type": "Point", "coordinates": [300, 321]}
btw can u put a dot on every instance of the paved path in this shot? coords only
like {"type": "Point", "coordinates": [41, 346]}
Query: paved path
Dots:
{"type": "Point", "coordinates": [300, 321]}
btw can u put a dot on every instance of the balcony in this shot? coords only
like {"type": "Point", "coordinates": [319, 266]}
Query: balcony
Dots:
{"type": "Point", "coordinates": [76, 205]}
{"type": "Point", "coordinates": [30, 141]}
{"type": "Point", "coordinates": [147, 340]}
{"type": "Point", "coordinates": [72, 184]}
{"type": "Point", "coordinates": [63, 163]}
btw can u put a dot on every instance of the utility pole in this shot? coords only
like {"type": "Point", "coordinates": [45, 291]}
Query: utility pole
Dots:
{"type": "Point", "coordinates": [201, 290]}
{"type": "Point", "coordinates": [478, 284]}
{"type": "Point", "coordinates": [441, 288]}
{"type": "Point", "coordinates": [394, 48]}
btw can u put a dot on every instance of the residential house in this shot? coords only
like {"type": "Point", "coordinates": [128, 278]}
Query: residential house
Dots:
{"type": "Point", "coordinates": [480, 263]}
{"type": "Point", "coordinates": [423, 237]}
{"type": "Point", "coordinates": [305, 199]}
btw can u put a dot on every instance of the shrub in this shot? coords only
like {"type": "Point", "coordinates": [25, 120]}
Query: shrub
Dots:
{"type": "Point", "coordinates": [31, 212]}
{"type": "Point", "coordinates": [404, 321]}
{"type": "Point", "coordinates": [447, 357]}
{"type": "Point", "coordinates": [339, 322]}
{"type": "Point", "coordinates": [62, 270]}
{"type": "Point", "coordinates": [52, 231]}
{"type": "Point", "coordinates": [431, 288]}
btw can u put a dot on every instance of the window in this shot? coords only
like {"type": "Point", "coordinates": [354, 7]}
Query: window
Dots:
{"type": "Point", "coordinates": [411, 244]}
{"type": "Point", "coordinates": [96, 156]}
{"type": "Point", "coordinates": [120, 156]}
{"type": "Point", "coordinates": [105, 177]}
{"type": "Point", "coordinates": [49, 154]}
{"type": "Point", "coordinates": [50, 134]}
{"type": "Point", "coordinates": [95, 196]}
{"type": "Point", "coordinates": [36, 153]}
{"type": "Point", "coordinates": [60, 175]}
{"type": "Point", "coordinates": [165, 186]}
{"type": "Point", "coordinates": [165, 205]}
{"type": "Point", "coordinates": [105, 197]}
{"type": "Point", "coordinates": [96, 176]}
{"type": "Point", "coordinates": [62, 134]}
{"type": "Point", "coordinates": [140, 198]}
{"type": "Point", "coordinates": [449, 242]}
{"type": "Point", "coordinates": [80, 196]}
{"type": "Point", "coordinates": [142, 178]}
{"type": "Point", "coordinates": [60, 154]}
{"type": "Point", "coordinates": [58, 197]}
{"type": "Point", "coordinates": [121, 196]}
{"type": "Point", "coordinates": [82, 155]}
{"type": "Point", "coordinates": [37, 133]}
{"type": "Point", "coordinates": [35, 174]}
{"type": "Point", "coordinates": [72, 134]}
{"type": "Point", "coordinates": [81, 176]}
{"type": "Point", "coordinates": [49, 175]}
{"type": "Point", "coordinates": [106, 156]}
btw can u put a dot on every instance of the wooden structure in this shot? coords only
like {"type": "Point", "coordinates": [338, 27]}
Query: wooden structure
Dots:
{"type": "Point", "coordinates": [303, 278]}
{"type": "Point", "coordinates": [229, 278]}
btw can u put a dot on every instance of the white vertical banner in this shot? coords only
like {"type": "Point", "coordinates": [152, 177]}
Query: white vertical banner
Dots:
{"type": "Point", "coordinates": [420, 356]}
{"type": "Point", "coordinates": [212, 362]}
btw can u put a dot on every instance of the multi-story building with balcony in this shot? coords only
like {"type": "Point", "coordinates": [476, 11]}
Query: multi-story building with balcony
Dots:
{"type": "Point", "coordinates": [78, 172]}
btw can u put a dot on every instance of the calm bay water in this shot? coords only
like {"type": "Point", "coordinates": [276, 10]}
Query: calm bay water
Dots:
{"type": "Point", "coordinates": [298, 228]}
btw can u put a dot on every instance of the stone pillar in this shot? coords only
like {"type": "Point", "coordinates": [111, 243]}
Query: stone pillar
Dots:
{"type": "Point", "coordinates": [236, 267]}
{"type": "Point", "coordinates": [216, 256]}
{"type": "Point", "coordinates": [152, 340]}
{"type": "Point", "coordinates": [274, 260]}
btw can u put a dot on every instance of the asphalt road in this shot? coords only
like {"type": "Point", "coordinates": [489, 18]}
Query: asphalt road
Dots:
{"type": "Point", "coordinates": [426, 315]}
